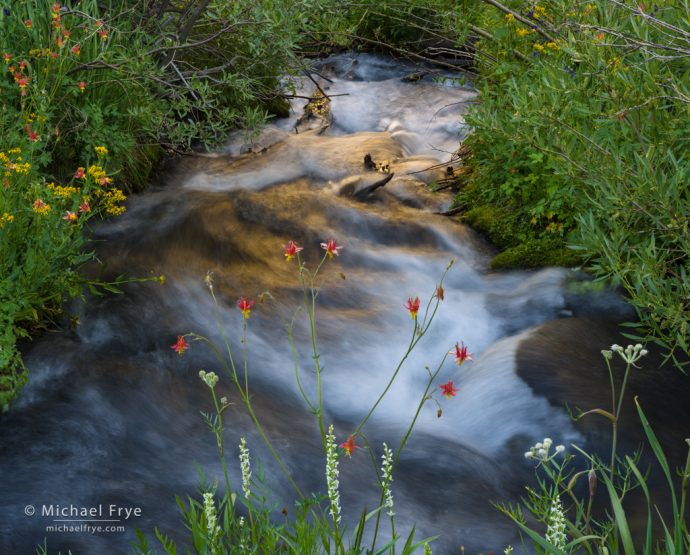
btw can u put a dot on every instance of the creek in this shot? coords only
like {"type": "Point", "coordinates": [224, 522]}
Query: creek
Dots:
{"type": "Point", "coordinates": [111, 413]}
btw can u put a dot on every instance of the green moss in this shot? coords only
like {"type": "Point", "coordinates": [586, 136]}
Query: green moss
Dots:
{"type": "Point", "coordinates": [523, 245]}
{"type": "Point", "coordinates": [535, 253]}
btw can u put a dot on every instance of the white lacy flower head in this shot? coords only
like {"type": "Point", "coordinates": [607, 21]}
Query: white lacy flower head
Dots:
{"type": "Point", "coordinates": [209, 378]}
{"type": "Point", "coordinates": [540, 451]}
{"type": "Point", "coordinates": [631, 354]}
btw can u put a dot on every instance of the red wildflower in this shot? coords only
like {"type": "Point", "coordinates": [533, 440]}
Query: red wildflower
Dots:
{"type": "Point", "coordinates": [331, 248]}
{"type": "Point", "coordinates": [245, 306]}
{"type": "Point", "coordinates": [291, 249]}
{"type": "Point", "coordinates": [440, 293]}
{"type": "Point", "coordinates": [76, 50]}
{"type": "Point", "coordinates": [447, 389]}
{"type": "Point", "coordinates": [53, 55]}
{"type": "Point", "coordinates": [22, 65]}
{"type": "Point", "coordinates": [56, 7]}
{"type": "Point", "coordinates": [84, 207]}
{"type": "Point", "coordinates": [349, 446]}
{"type": "Point", "coordinates": [28, 23]}
{"type": "Point", "coordinates": [80, 174]}
{"type": "Point", "coordinates": [82, 86]}
{"type": "Point", "coordinates": [99, 23]}
{"type": "Point", "coordinates": [461, 354]}
{"type": "Point", "coordinates": [103, 33]}
{"type": "Point", "coordinates": [413, 306]}
{"type": "Point", "coordinates": [180, 346]}
{"type": "Point", "coordinates": [70, 216]}
{"type": "Point", "coordinates": [33, 137]}
{"type": "Point", "coordinates": [7, 57]}
{"type": "Point", "coordinates": [22, 82]}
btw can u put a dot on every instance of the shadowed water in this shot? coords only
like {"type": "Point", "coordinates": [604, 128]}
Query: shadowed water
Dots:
{"type": "Point", "coordinates": [111, 414]}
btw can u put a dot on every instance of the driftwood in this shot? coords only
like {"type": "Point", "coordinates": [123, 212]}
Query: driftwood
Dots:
{"type": "Point", "coordinates": [366, 191]}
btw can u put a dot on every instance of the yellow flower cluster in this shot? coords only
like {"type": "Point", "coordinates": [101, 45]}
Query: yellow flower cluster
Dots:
{"type": "Point", "coordinates": [61, 191]}
{"type": "Point", "coordinates": [17, 165]}
{"type": "Point", "coordinates": [510, 18]}
{"type": "Point", "coordinates": [522, 32]}
{"type": "Point", "coordinates": [6, 219]}
{"type": "Point", "coordinates": [97, 172]}
{"type": "Point", "coordinates": [110, 199]}
{"type": "Point", "coordinates": [539, 47]}
{"type": "Point", "coordinates": [38, 52]}
{"type": "Point", "coordinates": [101, 150]}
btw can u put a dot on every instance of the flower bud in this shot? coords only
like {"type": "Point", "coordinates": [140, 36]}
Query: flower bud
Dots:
{"type": "Point", "coordinates": [608, 355]}
{"type": "Point", "coordinates": [592, 479]}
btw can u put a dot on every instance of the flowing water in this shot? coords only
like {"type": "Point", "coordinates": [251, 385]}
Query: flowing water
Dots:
{"type": "Point", "coordinates": [111, 414]}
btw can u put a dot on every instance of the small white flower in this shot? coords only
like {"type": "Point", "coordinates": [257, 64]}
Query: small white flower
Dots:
{"type": "Point", "coordinates": [332, 474]}
{"type": "Point", "coordinates": [555, 533]}
{"type": "Point", "coordinates": [387, 478]}
{"type": "Point", "coordinates": [560, 448]}
{"type": "Point", "coordinates": [246, 468]}
{"type": "Point", "coordinates": [210, 513]}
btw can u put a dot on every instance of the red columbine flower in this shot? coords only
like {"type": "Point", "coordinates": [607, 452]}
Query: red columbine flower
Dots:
{"type": "Point", "coordinates": [245, 306]}
{"type": "Point", "coordinates": [461, 354]}
{"type": "Point", "coordinates": [70, 216]}
{"type": "Point", "coordinates": [180, 346]}
{"type": "Point", "coordinates": [291, 249]}
{"type": "Point", "coordinates": [7, 57]}
{"type": "Point", "coordinates": [84, 207]}
{"type": "Point", "coordinates": [80, 174]}
{"type": "Point", "coordinates": [54, 55]}
{"type": "Point", "coordinates": [349, 446]}
{"type": "Point", "coordinates": [33, 136]}
{"type": "Point", "coordinates": [28, 24]}
{"type": "Point", "coordinates": [82, 86]}
{"type": "Point", "coordinates": [76, 50]}
{"type": "Point", "coordinates": [103, 33]}
{"type": "Point", "coordinates": [331, 248]}
{"type": "Point", "coordinates": [447, 389]}
{"type": "Point", "coordinates": [413, 306]}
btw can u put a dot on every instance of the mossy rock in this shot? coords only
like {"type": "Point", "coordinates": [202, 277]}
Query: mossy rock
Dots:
{"type": "Point", "coordinates": [535, 253]}
{"type": "Point", "coordinates": [523, 246]}
{"type": "Point", "coordinates": [499, 225]}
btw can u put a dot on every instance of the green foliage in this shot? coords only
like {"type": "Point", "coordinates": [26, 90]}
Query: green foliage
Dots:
{"type": "Point", "coordinates": [582, 130]}
{"type": "Point", "coordinates": [137, 77]}
{"type": "Point", "coordinates": [612, 534]}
